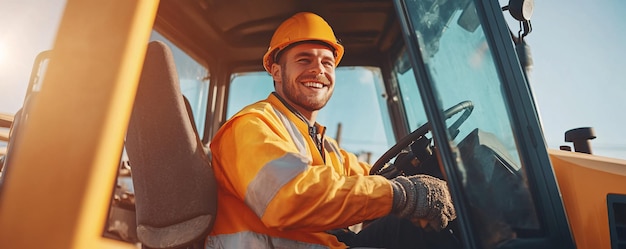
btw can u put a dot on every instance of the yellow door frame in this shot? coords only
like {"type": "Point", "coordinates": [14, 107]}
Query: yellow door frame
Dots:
{"type": "Point", "coordinates": [57, 190]}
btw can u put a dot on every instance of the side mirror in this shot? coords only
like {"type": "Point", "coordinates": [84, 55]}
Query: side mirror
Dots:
{"type": "Point", "coordinates": [521, 10]}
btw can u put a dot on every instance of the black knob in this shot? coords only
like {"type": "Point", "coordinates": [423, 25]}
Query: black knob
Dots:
{"type": "Point", "coordinates": [580, 137]}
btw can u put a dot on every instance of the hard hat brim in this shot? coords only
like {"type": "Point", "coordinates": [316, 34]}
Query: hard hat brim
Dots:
{"type": "Point", "coordinates": [270, 55]}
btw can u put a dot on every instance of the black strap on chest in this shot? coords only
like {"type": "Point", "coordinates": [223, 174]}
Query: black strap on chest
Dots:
{"type": "Point", "coordinates": [313, 132]}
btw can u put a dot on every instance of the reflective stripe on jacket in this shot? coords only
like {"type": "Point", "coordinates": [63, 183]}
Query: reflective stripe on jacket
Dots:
{"type": "Point", "coordinates": [276, 191]}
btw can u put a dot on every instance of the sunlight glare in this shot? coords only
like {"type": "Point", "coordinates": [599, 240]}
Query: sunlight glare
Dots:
{"type": "Point", "coordinates": [2, 52]}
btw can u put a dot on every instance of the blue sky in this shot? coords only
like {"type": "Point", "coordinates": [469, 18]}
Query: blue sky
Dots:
{"type": "Point", "coordinates": [577, 46]}
{"type": "Point", "coordinates": [578, 75]}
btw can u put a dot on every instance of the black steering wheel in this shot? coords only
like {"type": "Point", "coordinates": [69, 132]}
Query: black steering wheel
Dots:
{"type": "Point", "coordinates": [466, 106]}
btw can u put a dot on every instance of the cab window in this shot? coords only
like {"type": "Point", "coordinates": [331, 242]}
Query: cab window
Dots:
{"type": "Point", "coordinates": [458, 62]}
{"type": "Point", "coordinates": [356, 115]}
{"type": "Point", "coordinates": [411, 98]}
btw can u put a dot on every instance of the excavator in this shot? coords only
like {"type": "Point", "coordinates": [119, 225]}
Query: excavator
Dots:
{"type": "Point", "coordinates": [110, 147]}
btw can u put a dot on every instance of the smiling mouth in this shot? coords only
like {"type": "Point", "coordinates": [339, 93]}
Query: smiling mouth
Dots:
{"type": "Point", "coordinates": [316, 85]}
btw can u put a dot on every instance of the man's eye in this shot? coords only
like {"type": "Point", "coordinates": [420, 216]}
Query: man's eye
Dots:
{"type": "Point", "coordinates": [329, 63]}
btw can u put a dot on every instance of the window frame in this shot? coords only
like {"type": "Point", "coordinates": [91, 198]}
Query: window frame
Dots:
{"type": "Point", "coordinates": [525, 125]}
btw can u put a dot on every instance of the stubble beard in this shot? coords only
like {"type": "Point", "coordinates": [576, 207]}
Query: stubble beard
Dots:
{"type": "Point", "coordinates": [309, 103]}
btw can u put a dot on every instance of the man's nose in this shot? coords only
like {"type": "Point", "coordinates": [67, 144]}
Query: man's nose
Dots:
{"type": "Point", "coordinates": [317, 67]}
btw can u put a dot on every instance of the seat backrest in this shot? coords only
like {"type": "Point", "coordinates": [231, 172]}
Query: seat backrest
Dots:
{"type": "Point", "coordinates": [175, 190]}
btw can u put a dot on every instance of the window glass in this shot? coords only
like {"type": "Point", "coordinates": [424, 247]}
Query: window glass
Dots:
{"type": "Point", "coordinates": [194, 81]}
{"type": "Point", "coordinates": [28, 29]}
{"type": "Point", "coordinates": [357, 105]}
{"type": "Point", "coordinates": [461, 67]}
{"type": "Point", "coordinates": [247, 88]}
{"type": "Point", "coordinates": [411, 98]}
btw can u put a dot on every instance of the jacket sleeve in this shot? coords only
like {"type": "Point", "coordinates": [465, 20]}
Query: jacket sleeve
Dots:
{"type": "Point", "coordinates": [352, 163]}
{"type": "Point", "coordinates": [261, 165]}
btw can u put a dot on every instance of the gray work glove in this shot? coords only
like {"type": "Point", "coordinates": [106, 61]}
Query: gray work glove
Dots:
{"type": "Point", "coordinates": [423, 197]}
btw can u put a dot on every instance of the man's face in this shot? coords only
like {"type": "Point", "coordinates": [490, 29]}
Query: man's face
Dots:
{"type": "Point", "coordinates": [305, 76]}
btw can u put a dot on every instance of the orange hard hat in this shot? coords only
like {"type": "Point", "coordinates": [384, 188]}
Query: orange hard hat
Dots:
{"type": "Point", "coordinates": [303, 26]}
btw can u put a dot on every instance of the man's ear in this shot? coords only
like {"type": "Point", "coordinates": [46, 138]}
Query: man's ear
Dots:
{"type": "Point", "coordinates": [276, 72]}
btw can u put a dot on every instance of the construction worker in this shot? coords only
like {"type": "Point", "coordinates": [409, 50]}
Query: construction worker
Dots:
{"type": "Point", "coordinates": [282, 183]}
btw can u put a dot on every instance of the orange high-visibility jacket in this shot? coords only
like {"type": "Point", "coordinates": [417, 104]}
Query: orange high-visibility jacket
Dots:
{"type": "Point", "coordinates": [276, 191]}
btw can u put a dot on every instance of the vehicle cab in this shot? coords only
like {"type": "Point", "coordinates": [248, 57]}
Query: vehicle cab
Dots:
{"type": "Point", "coordinates": [439, 79]}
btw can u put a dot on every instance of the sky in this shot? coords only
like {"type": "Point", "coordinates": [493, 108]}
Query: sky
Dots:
{"type": "Point", "coordinates": [578, 74]}
{"type": "Point", "coordinates": [577, 48]}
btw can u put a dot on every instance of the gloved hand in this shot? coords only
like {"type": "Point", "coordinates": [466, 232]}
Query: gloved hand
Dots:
{"type": "Point", "coordinates": [423, 197]}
